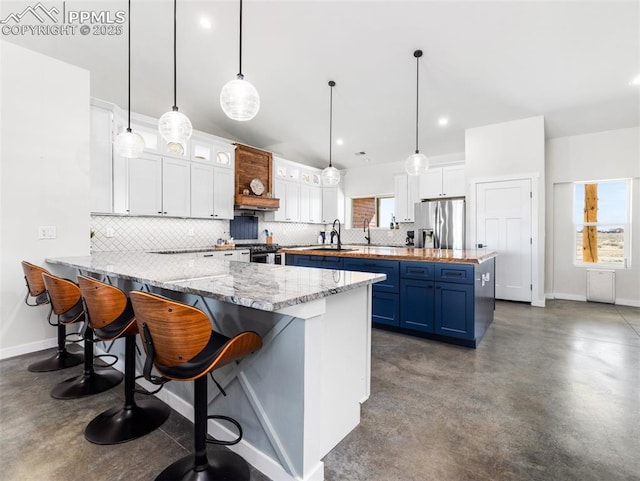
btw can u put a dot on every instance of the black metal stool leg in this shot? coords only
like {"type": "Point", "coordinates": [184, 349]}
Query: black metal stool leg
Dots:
{"type": "Point", "coordinates": [63, 358]}
{"type": "Point", "coordinates": [90, 382]}
{"type": "Point", "coordinates": [134, 420]}
{"type": "Point", "coordinates": [223, 465]}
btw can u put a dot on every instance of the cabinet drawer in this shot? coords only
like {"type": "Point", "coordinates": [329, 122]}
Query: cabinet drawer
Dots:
{"type": "Point", "coordinates": [417, 270]}
{"type": "Point", "coordinates": [390, 268]}
{"type": "Point", "coordinates": [459, 273]}
{"type": "Point", "coordinates": [385, 308]}
{"type": "Point", "coordinates": [330, 262]}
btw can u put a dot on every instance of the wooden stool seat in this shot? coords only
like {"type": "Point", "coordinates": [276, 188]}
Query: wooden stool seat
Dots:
{"type": "Point", "coordinates": [181, 345]}
{"type": "Point", "coordinates": [38, 291]}
{"type": "Point", "coordinates": [111, 317]}
{"type": "Point", "coordinates": [66, 303]}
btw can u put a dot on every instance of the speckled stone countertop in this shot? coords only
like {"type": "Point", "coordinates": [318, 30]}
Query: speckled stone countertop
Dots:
{"type": "Point", "coordinates": [474, 256]}
{"type": "Point", "coordinates": [267, 287]}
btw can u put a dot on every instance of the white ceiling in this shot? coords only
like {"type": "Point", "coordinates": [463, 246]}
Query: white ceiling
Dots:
{"type": "Point", "coordinates": [484, 62]}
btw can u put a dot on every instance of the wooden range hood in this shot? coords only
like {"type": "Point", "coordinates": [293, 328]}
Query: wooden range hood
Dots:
{"type": "Point", "coordinates": [252, 163]}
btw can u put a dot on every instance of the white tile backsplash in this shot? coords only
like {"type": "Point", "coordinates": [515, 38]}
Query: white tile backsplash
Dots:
{"type": "Point", "coordinates": [124, 233]}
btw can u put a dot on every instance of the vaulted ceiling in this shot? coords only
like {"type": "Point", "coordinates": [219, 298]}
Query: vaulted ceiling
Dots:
{"type": "Point", "coordinates": [484, 62]}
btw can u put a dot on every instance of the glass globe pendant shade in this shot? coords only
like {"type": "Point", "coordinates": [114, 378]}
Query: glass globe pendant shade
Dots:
{"type": "Point", "coordinates": [330, 176]}
{"type": "Point", "coordinates": [130, 145]}
{"type": "Point", "coordinates": [175, 127]}
{"type": "Point", "coordinates": [416, 164]}
{"type": "Point", "coordinates": [239, 99]}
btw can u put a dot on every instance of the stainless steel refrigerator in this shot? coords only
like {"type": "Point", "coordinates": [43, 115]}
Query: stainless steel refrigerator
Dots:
{"type": "Point", "coordinates": [440, 224]}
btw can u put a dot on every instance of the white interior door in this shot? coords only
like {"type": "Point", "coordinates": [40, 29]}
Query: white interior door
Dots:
{"type": "Point", "coordinates": [503, 224]}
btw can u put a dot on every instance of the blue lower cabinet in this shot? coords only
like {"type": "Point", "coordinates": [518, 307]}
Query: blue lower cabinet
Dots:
{"type": "Point", "coordinates": [385, 308]}
{"type": "Point", "coordinates": [454, 305]}
{"type": "Point", "coordinates": [417, 305]}
{"type": "Point", "coordinates": [390, 268]}
{"type": "Point", "coordinates": [322, 262]}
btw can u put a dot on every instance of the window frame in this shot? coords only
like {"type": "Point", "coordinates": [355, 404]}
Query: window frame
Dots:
{"type": "Point", "coordinates": [627, 226]}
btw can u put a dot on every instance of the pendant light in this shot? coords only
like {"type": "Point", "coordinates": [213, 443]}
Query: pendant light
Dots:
{"type": "Point", "coordinates": [128, 144]}
{"type": "Point", "coordinates": [416, 163]}
{"type": "Point", "coordinates": [330, 175]}
{"type": "Point", "coordinates": [174, 126]}
{"type": "Point", "coordinates": [238, 98]}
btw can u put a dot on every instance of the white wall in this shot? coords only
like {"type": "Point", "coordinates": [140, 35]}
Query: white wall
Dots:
{"type": "Point", "coordinates": [599, 156]}
{"type": "Point", "coordinates": [44, 180]}
{"type": "Point", "coordinates": [510, 150]}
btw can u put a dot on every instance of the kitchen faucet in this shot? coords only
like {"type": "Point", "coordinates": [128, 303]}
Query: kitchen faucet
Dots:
{"type": "Point", "coordinates": [365, 228]}
{"type": "Point", "coordinates": [337, 233]}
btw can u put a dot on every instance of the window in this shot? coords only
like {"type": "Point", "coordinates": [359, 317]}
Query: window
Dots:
{"type": "Point", "coordinates": [378, 210]}
{"type": "Point", "coordinates": [601, 217]}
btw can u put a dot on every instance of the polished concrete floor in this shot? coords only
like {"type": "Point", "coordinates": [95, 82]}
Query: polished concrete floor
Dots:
{"type": "Point", "coordinates": [550, 394]}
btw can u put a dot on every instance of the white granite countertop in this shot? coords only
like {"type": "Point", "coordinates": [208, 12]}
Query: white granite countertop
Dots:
{"type": "Point", "coordinates": [267, 287]}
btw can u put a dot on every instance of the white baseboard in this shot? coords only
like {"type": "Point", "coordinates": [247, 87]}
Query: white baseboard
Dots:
{"type": "Point", "coordinates": [628, 302]}
{"type": "Point", "coordinates": [570, 297]}
{"type": "Point", "coordinates": [28, 348]}
{"type": "Point", "coordinates": [574, 297]}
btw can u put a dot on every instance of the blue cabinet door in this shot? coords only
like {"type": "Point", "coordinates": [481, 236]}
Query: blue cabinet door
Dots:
{"type": "Point", "coordinates": [390, 268]}
{"type": "Point", "coordinates": [385, 308]}
{"type": "Point", "coordinates": [330, 262]}
{"type": "Point", "coordinates": [454, 310]}
{"type": "Point", "coordinates": [321, 262]}
{"type": "Point", "coordinates": [417, 305]}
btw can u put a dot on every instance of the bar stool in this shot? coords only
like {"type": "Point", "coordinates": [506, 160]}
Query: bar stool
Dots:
{"type": "Point", "coordinates": [111, 317]}
{"type": "Point", "coordinates": [180, 343]}
{"type": "Point", "coordinates": [66, 303]}
{"type": "Point", "coordinates": [36, 289]}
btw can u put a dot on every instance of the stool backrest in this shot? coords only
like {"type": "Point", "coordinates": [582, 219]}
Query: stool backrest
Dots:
{"type": "Point", "coordinates": [33, 276]}
{"type": "Point", "coordinates": [64, 294]}
{"type": "Point", "coordinates": [105, 303]}
{"type": "Point", "coordinates": [179, 332]}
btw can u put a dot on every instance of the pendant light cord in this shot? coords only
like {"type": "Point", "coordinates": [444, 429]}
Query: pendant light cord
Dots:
{"type": "Point", "coordinates": [240, 55]}
{"type": "Point", "coordinates": [129, 71]}
{"type": "Point", "coordinates": [417, 55]}
{"type": "Point", "coordinates": [175, 63]}
{"type": "Point", "coordinates": [331, 84]}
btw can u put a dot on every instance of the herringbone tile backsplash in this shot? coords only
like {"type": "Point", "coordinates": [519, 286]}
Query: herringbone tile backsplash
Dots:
{"type": "Point", "coordinates": [124, 233]}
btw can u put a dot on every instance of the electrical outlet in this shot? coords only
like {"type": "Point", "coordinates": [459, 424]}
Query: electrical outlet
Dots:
{"type": "Point", "coordinates": [47, 232]}
{"type": "Point", "coordinates": [109, 232]}
{"type": "Point", "coordinates": [191, 232]}
{"type": "Point", "coordinates": [390, 233]}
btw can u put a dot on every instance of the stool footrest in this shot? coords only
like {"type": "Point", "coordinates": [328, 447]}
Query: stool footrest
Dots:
{"type": "Point", "coordinates": [223, 464]}
{"type": "Point", "coordinates": [212, 440]}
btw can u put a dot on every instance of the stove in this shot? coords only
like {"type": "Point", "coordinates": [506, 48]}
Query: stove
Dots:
{"type": "Point", "coordinates": [263, 253]}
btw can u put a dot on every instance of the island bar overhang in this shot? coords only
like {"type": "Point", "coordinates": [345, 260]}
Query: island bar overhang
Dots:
{"type": "Point", "coordinates": [301, 393]}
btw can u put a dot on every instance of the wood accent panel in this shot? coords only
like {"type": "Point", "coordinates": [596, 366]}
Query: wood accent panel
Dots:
{"type": "Point", "coordinates": [590, 233]}
{"type": "Point", "coordinates": [257, 201]}
{"type": "Point", "coordinates": [252, 163]}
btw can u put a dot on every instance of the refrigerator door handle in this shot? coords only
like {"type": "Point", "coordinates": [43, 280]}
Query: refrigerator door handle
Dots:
{"type": "Point", "coordinates": [437, 228]}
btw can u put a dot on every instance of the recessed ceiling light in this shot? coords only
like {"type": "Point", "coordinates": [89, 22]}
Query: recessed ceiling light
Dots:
{"type": "Point", "coordinates": [205, 23]}
{"type": "Point", "coordinates": [339, 141]}
{"type": "Point", "coordinates": [635, 81]}
{"type": "Point", "coordinates": [442, 121]}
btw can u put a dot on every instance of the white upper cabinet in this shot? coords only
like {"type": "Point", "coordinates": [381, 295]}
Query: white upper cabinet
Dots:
{"type": "Point", "coordinates": [145, 185]}
{"type": "Point", "coordinates": [289, 195]}
{"type": "Point", "coordinates": [101, 162]}
{"type": "Point", "coordinates": [406, 189]}
{"type": "Point", "coordinates": [223, 188]}
{"type": "Point", "coordinates": [332, 204]}
{"type": "Point", "coordinates": [443, 182]}
{"type": "Point", "coordinates": [176, 187]}
{"type": "Point", "coordinates": [201, 190]}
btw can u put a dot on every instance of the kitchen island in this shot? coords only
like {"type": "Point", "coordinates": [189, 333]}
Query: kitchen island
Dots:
{"type": "Point", "coordinates": [441, 294]}
{"type": "Point", "coordinates": [300, 394]}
